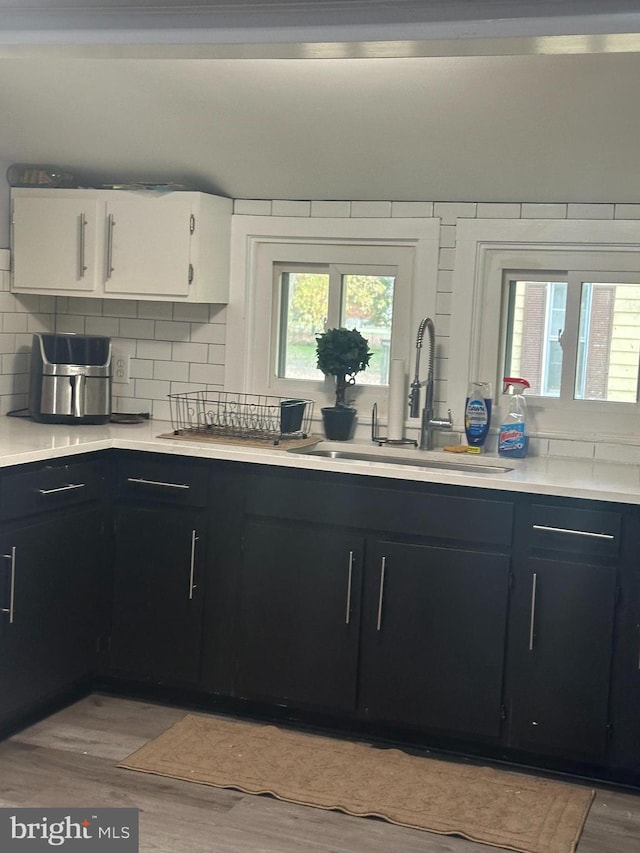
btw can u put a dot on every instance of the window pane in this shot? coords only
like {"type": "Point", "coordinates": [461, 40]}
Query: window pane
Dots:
{"type": "Point", "coordinates": [367, 305]}
{"type": "Point", "coordinates": [608, 342]}
{"type": "Point", "coordinates": [535, 325]}
{"type": "Point", "coordinates": [304, 303]}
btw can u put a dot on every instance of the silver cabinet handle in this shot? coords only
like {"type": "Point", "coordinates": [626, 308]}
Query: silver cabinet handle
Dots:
{"type": "Point", "coordinates": [82, 268]}
{"type": "Point", "coordinates": [192, 566]}
{"type": "Point", "coordinates": [110, 226]}
{"type": "Point", "coordinates": [350, 578]}
{"type": "Point", "coordinates": [383, 569]}
{"type": "Point", "coordinates": [12, 584]}
{"type": "Point", "coordinates": [68, 488]}
{"type": "Point", "coordinates": [570, 532]}
{"type": "Point", "coordinates": [159, 483]}
{"type": "Point", "coordinates": [532, 619]}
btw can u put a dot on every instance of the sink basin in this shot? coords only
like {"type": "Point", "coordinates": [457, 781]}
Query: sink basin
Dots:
{"type": "Point", "coordinates": [400, 458]}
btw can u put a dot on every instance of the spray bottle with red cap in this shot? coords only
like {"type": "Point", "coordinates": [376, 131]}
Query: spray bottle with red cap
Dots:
{"type": "Point", "coordinates": [513, 440]}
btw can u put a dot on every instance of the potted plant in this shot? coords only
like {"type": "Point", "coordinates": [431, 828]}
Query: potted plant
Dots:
{"type": "Point", "coordinates": [341, 353]}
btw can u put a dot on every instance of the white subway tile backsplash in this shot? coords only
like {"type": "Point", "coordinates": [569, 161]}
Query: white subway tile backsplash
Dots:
{"type": "Point", "coordinates": [252, 207]}
{"type": "Point", "coordinates": [336, 209]}
{"type": "Point", "coordinates": [447, 259]}
{"type": "Point", "coordinates": [544, 211]}
{"type": "Point", "coordinates": [138, 329]}
{"type": "Point", "coordinates": [42, 322]}
{"type": "Point", "coordinates": [84, 305]}
{"type": "Point", "coordinates": [154, 349]}
{"type": "Point", "coordinates": [142, 368]}
{"type": "Point", "coordinates": [290, 208]}
{"type": "Point", "coordinates": [412, 209]}
{"type": "Point", "coordinates": [191, 313]}
{"type": "Point", "coordinates": [108, 326]}
{"type": "Point", "coordinates": [190, 352]}
{"type": "Point", "coordinates": [590, 211]}
{"type": "Point", "coordinates": [177, 371]}
{"type": "Point", "coordinates": [172, 330]}
{"type": "Point", "coordinates": [379, 209]}
{"type": "Point", "coordinates": [498, 210]}
{"type": "Point", "coordinates": [211, 333]}
{"type": "Point", "coordinates": [180, 347]}
{"type": "Point", "coordinates": [151, 388]}
{"type": "Point", "coordinates": [67, 324]}
{"type": "Point", "coordinates": [16, 362]}
{"type": "Point", "coordinates": [207, 374]}
{"type": "Point", "coordinates": [14, 322]}
{"type": "Point", "coordinates": [627, 211]}
{"type": "Point", "coordinates": [216, 354]}
{"type": "Point", "coordinates": [155, 310]}
{"type": "Point", "coordinates": [449, 212]}
{"type": "Point", "coordinates": [120, 308]}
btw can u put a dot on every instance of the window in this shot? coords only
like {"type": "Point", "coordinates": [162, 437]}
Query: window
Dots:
{"type": "Point", "coordinates": [577, 281]}
{"type": "Point", "coordinates": [310, 300]}
{"type": "Point", "coordinates": [574, 336]}
{"type": "Point", "coordinates": [270, 341]}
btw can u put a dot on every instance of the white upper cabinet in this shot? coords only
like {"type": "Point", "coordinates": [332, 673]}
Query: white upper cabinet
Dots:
{"type": "Point", "coordinates": [120, 244]}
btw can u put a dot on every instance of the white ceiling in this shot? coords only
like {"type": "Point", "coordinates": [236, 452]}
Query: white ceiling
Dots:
{"type": "Point", "coordinates": [534, 127]}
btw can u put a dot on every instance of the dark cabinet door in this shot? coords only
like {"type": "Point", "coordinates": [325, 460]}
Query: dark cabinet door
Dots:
{"type": "Point", "coordinates": [625, 746]}
{"type": "Point", "coordinates": [434, 637]}
{"type": "Point", "coordinates": [51, 584]}
{"type": "Point", "coordinates": [299, 612]}
{"type": "Point", "coordinates": [158, 578]}
{"type": "Point", "coordinates": [561, 647]}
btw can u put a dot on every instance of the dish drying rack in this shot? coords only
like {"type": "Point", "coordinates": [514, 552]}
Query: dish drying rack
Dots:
{"type": "Point", "coordinates": [254, 416]}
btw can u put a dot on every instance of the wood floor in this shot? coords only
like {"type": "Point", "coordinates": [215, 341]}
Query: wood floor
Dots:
{"type": "Point", "coordinates": [69, 760]}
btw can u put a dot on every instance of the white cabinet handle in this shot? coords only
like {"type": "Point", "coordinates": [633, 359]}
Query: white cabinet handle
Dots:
{"type": "Point", "coordinates": [68, 488]}
{"type": "Point", "coordinates": [349, 579]}
{"type": "Point", "coordinates": [532, 618]}
{"type": "Point", "coordinates": [192, 565]}
{"type": "Point", "coordinates": [12, 584]}
{"type": "Point", "coordinates": [110, 226]}
{"type": "Point", "coordinates": [570, 532]}
{"type": "Point", "coordinates": [383, 569]}
{"type": "Point", "coordinates": [82, 267]}
{"type": "Point", "coordinates": [159, 483]}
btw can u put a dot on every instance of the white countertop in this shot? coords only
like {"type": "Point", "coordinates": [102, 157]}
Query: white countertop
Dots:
{"type": "Point", "coordinates": [22, 441]}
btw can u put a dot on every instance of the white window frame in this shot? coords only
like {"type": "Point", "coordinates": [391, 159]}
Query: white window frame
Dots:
{"type": "Point", "coordinates": [259, 242]}
{"type": "Point", "coordinates": [488, 248]}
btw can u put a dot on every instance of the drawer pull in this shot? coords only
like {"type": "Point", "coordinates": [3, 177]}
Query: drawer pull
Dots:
{"type": "Point", "coordinates": [12, 584]}
{"type": "Point", "coordinates": [383, 570]}
{"type": "Point", "coordinates": [68, 488]}
{"type": "Point", "coordinates": [141, 481]}
{"type": "Point", "coordinates": [532, 619]}
{"type": "Point", "coordinates": [570, 532]}
{"type": "Point", "coordinates": [192, 565]}
{"type": "Point", "coordinates": [349, 579]}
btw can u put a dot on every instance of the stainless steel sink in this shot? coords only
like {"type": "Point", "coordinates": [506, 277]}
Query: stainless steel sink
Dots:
{"type": "Point", "coordinates": [370, 455]}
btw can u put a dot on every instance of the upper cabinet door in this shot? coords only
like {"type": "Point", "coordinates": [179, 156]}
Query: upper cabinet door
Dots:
{"type": "Point", "coordinates": [54, 243]}
{"type": "Point", "coordinates": [148, 245]}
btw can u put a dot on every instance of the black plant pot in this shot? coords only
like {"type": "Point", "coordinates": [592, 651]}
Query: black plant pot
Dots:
{"type": "Point", "coordinates": [339, 422]}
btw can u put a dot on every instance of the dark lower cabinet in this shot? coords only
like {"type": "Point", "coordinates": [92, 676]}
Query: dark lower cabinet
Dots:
{"type": "Point", "coordinates": [158, 593]}
{"type": "Point", "coordinates": [298, 614]}
{"type": "Point", "coordinates": [433, 637]}
{"type": "Point", "coordinates": [625, 741]}
{"type": "Point", "coordinates": [53, 605]}
{"type": "Point", "coordinates": [562, 632]}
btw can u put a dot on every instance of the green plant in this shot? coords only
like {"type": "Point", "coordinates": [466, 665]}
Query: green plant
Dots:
{"type": "Point", "coordinates": [342, 353]}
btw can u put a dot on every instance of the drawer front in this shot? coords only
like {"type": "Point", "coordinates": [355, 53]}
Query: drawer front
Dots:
{"type": "Point", "coordinates": [575, 531]}
{"type": "Point", "coordinates": [418, 513]}
{"type": "Point", "coordinates": [50, 488]}
{"type": "Point", "coordinates": [159, 481]}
